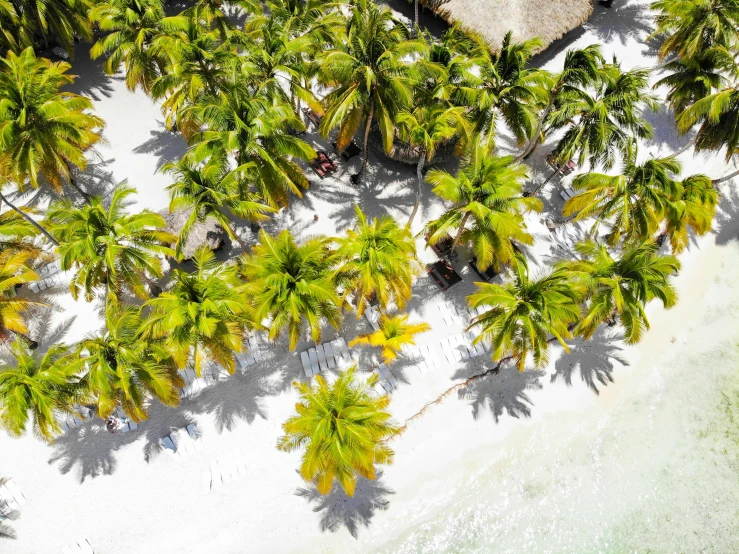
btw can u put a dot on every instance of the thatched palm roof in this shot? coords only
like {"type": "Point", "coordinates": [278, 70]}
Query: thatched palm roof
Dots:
{"type": "Point", "coordinates": [209, 232]}
{"type": "Point", "coordinates": [546, 19]}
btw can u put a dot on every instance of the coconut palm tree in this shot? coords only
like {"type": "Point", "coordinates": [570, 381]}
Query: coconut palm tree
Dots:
{"type": "Point", "coordinates": [520, 316]}
{"type": "Point", "coordinates": [394, 333]}
{"type": "Point", "coordinates": [425, 129]}
{"type": "Point", "coordinates": [201, 316]}
{"type": "Point", "coordinates": [14, 271]}
{"type": "Point", "coordinates": [131, 25]}
{"type": "Point", "coordinates": [35, 390]}
{"type": "Point", "coordinates": [620, 288]}
{"type": "Point", "coordinates": [718, 115]}
{"type": "Point", "coordinates": [376, 262]}
{"type": "Point", "coordinates": [580, 71]}
{"type": "Point", "coordinates": [107, 247]}
{"type": "Point", "coordinates": [690, 28]}
{"type": "Point", "coordinates": [16, 235]}
{"type": "Point", "coordinates": [692, 79]}
{"type": "Point", "coordinates": [371, 78]}
{"type": "Point", "coordinates": [198, 63]}
{"type": "Point", "coordinates": [486, 192]}
{"type": "Point", "coordinates": [343, 429]}
{"type": "Point", "coordinates": [123, 370]}
{"type": "Point", "coordinates": [601, 126]}
{"type": "Point", "coordinates": [291, 286]}
{"type": "Point", "coordinates": [35, 23]}
{"type": "Point", "coordinates": [503, 87]}
{"type": "Point", "coordinates": [258, 132]}
{"type": "Point", "coordinates": [44, 131]}
{"type": "Point", "coordinates": [208, 191]}
{"type": "Point", "coordinates": [637, 199]}
{"type": "Point", "coordinates": [692, 206]}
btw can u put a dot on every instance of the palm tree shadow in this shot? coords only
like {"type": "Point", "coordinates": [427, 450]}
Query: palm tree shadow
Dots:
{"type": "Point", "coordinates": [622, 22]}
{"type": "Point", "coordinates": [6, 531]}
{"type": "Point", "coordinates": [90, 449]}
{"type": "Point", "coordinates": [595, 358]}
{"type": "Point", "coordinates": [504, 392]}
{"type": "Point", "coordinates": [727, 216]}
{"type": "Point", "coordinates": [91, 80]}
{"type": "Point", "coordinates": [339, 510]}
{"type": "Point", "coordinates": [166, 145]}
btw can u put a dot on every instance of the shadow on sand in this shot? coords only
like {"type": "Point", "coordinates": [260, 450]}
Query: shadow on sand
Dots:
{"type": "Point", "coordinates": [338, 510]}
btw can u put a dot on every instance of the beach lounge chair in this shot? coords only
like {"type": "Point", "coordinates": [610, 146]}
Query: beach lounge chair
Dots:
{"type": "Point", "coordinates": [486, 275]}
{"type": "Point", "coordinates": [312, 116]}
{"type": "Point", "coordinates": [82, 546]}
{"type": "Point", "coordinates": [350, 151]}
{"type": "Point", "coordinates": [314, 361]}
{"type": "Point", "coordinates": [305, 360]}
{"type": "Point", "coordinates": [339, 345]}
{"type": "Point", "coordinates": [215, 474]}
{"type": "Point", "coordinates": [15, 492]}
{"type": "Point", "coordinates": [322, 164]}
{"type": "Point", "coordinates": [443, 273]}
{"type": "Point", "coordinates": [451, 354]}
{"type": "Point", "coordinates": [372, 315]}
{"type": "Point", "coordinates": [206, 481]}
{"type": "Point", "coordinates": [383, 382]}
{"type": "Point", "coordinates": [169, 445]}
{"type": "Point", "coordinates": [321, 357]}
{"type": "Point", "coordinates": [194, 434]}
{"type": "Point", "coordinates": [329, 355]}
{"type": "Point", "coordinates": [433, 358]}
{"type": "Point", "coordinates": [442, 247]}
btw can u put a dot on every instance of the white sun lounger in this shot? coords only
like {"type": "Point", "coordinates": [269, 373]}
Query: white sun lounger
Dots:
{"type": "Point", "coordinates": [385, 372]}
{"type": "Point", "coordinates": [314, 361]}
{"type": "Point", "coordinates": [194, 434]}
{"type": "Point", "coordinates": [15, 492]}
{"type": "Point", "coordinates": [448, 351]}
{"type": "Point", "coordinates": [228, 468]}
{"type": "Point", "coordinates": [169, 445]}
{"type": "Point", "coordinates": [432, 356]}
{"type": "Point", "coordinates": [329, 355]}
{"type": "Point", "coordinates": [372, 315]}
{"type": "Point", "coordinates": [423, 366]}
{"type": "Point", "coordinates": [384, 382]}
{"type": "Point", "coordinates": [305, 360]}
{"type": "Point", "coordinates": [321, 357]}
{"type": "Point", "coordinates": [339, 345]}
{"type": "Point", "coordinates": [215, 474]}
{"type": "Point", "coordinates": [207, 476]}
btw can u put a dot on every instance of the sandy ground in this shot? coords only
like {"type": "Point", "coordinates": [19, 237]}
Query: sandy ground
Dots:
{"type": "Point", "coordinates": [124, 494]}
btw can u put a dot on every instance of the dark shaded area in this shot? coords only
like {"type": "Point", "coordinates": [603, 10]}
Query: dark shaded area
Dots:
{"type": "Point", "coordinates": [427, 19]}
{"type": "Point", "coordinates": [505, 392]}
{"type": "Point", "coordinates": [622, 21]}
{"type": "Point", "coordinates": [338, 510]}
{"type": "Point", "coordinates": [166, 145]}
{"type": "Point", "coordinates": [725, 224]}
{"type": "Point", "coordinates": [595, 359]}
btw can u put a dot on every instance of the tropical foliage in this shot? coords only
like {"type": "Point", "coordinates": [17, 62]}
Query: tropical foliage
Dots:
{"type": "Point", "coordinates": [394, 333]}
{"type": "Point", "coordinates": [342, 429]}
{"type": "Point", "coordinates": [14, 271]}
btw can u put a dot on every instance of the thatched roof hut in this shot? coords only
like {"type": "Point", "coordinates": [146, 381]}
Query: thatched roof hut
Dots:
{"type": "Point", "coordinates": [546, 19]}
{"type": "Point", "coordinates": [209, 232]}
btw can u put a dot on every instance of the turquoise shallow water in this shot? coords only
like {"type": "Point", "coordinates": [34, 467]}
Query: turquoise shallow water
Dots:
{"type": "Point", "coordinates": [659, 472]}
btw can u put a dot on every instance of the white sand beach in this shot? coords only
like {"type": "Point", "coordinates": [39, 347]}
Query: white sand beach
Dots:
{"type": "Point", "coordinates": [611, 448]}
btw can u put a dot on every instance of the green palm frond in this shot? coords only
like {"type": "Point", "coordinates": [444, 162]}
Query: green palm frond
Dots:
{"type": "Point", "coordinates": [394, 333]}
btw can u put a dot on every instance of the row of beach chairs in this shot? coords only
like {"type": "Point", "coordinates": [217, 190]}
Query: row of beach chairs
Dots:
{"type": "Point", "coordinates": [328, 355]}
{"type": "Point", "coordinates": [463, 316]}
{"type": "Point", "coordinates": [11, 497]}
{"type": "Point", "coordinates": [82, 546]}
{"type": "Point", "coordinates": [372, 315]}
{"type": "Point", "coordinates": [387, 382]}
{"type": "Point", "coordinates": [183, 442]}
{"type": "Point", "coordinates": [567, 193]}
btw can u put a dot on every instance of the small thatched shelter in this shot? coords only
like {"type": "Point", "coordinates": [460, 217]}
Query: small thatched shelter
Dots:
{"type": "Point", "coordinates": [546, 19]}
{"type": "Point", "coordinates": [209, 232]}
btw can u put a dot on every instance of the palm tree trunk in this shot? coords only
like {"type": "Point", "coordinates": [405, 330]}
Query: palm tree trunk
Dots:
{"type": "Point", "coordinates": [367, 128]}
{"type": "Point", "coordinates": [415, 21]}
{"type": "Point", "coordinates": [29, 219]}
{"type": "Point", "coordinates": [725, 178]}
{"type": "Point", "coordinates": [687, 146]}
{"type": "Point", "coordinates": [459, 233]}
{"type": "Point", "coordinates": [541, 186]}
{"type": "Point", "coordinates": [534, 142]}
{"type": "Point", "coordinates": [419, 179]}
{"type": "Point", "coordinates": [73, 182]}
{"type": "Point", "coordinates": [237, 238]}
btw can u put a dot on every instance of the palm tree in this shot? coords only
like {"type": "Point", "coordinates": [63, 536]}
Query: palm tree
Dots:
{"type": "Point", "coordinates": [208, 191]}
{"type": "Point", "coordinates": [198, 63]}
{"type": "Point", "coordinates": [16, 235]}
{"type": "Point", "coordinates": [619, 289]}
{"type": "Point", "coordinates": [131, 26]}
{"type": "Point", "coordinates": [394, 333]}
{"type": "Point", "coordinates": [372, 81]}
{"type": "Point", "coordinates": [692, 27]}
{"type": "Point", "coordinates": [487, 191]}
{"type": "Point", "coordinates": [376, 261]}
{"type": "Point", "coordinates": [692, 79]}
{"type": "Point", "coordinates": [520, 316]}
{"type": "Point", "coordinates": [257, 131]}
{"type": "Point", "coordinates": [39, 389]}
{"type": "Point", "coordinates": [718, 115]}
{"type": "Point", "coordinates": [637, 199]}
{"type": "Point", "coordinates": [37, 23]}
{"type": "Point", "coordinates": [14, 271]}
{"type": "Point", "coordinates": [289, 285]}
{"type": "Point", "coordinates": [44, 131]}
{"type": "Point", "coordinates": [601, 126]}
{"type": "Point", "coordinates": [201, 316]}
{"type": "Point", "coordinates": [123, 370]}
{"type": "Point", "coordinates": [580, 70]}
{"type": "Point", "coordinates": [505, 89]}
{"type": "Point", "coordinates": [425, 129]}
{"type": "Point", "coordinates": [692, 205]}
{"type": "Point", "coordinates": [108, 247]}
{"type": "Point", "coordinates": [343, 429]}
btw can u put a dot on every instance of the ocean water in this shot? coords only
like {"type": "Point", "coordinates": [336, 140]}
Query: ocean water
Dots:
{"type": "Point", "coordinates": [658, 472]}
